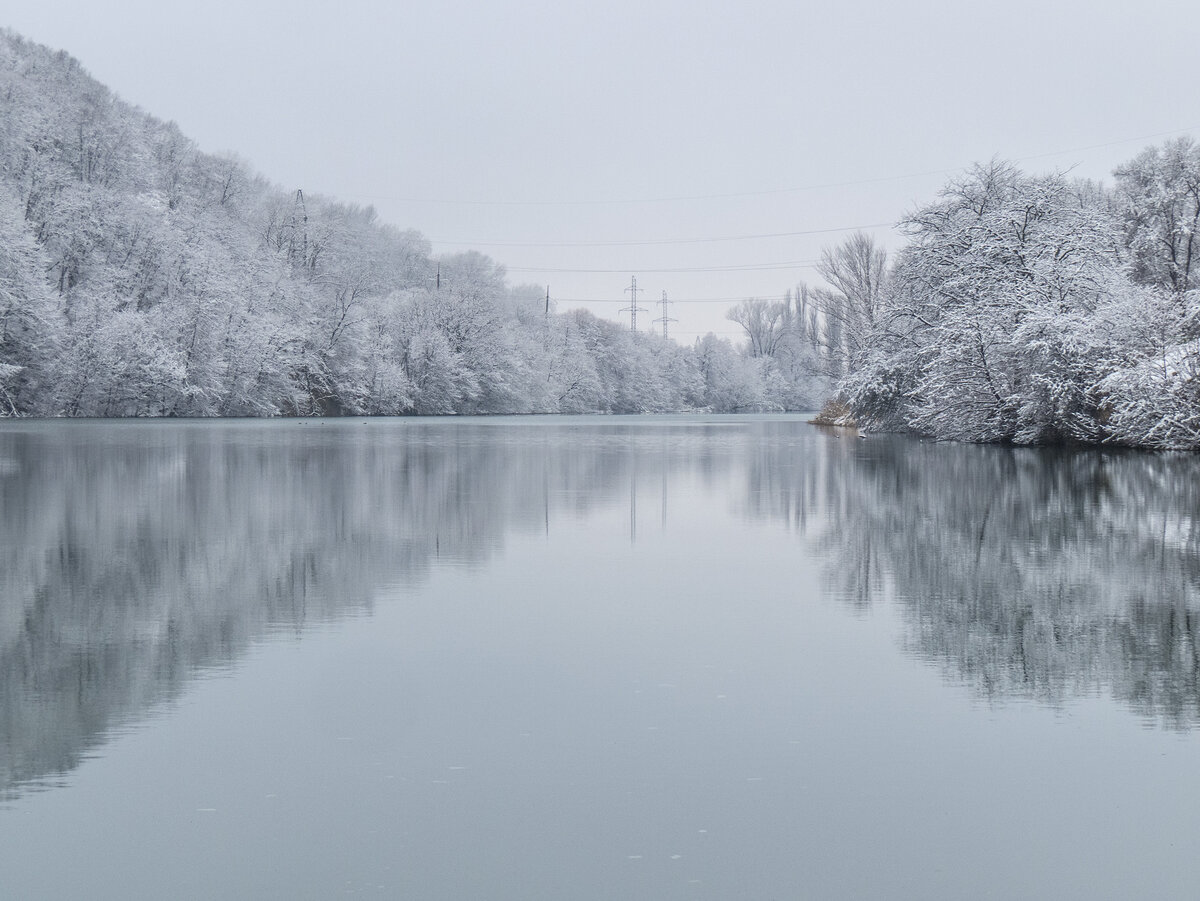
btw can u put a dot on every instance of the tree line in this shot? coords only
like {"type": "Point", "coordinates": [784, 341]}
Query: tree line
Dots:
{"type": "Point", "coordinates": [142, 277]}
{"type": "Point", "coordinates": [1028, 309]}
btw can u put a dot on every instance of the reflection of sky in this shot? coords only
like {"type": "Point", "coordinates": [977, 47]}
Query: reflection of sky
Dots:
{"type": "Point", "coordinates": [572, 714]}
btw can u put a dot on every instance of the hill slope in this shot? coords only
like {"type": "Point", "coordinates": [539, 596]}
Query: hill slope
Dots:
{"type": "Point", "coordinates": [142, 277]}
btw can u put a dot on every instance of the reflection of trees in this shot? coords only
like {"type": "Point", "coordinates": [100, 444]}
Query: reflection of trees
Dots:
{"type": "Point", "coordinates": [133, 555]}
{"type": "Point", "coordinates": [1032, 573]}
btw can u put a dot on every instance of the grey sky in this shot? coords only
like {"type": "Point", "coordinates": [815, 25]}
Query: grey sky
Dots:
{"type": "Point", "coordinates": [545, 123]}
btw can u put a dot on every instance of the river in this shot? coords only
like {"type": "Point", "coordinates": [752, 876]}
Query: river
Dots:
{"type": "Point", "coordinates": [592, 658]}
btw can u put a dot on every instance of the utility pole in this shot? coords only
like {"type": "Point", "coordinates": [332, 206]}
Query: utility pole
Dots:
{"type": "Point", "coordinates": [547, 301]}
{"type": "Point", "coordinates": [436, 278]}
{"type": "Point", "coordinates": [299, 224]}
{"type": "Point", "coordinates": [664, 318]}
{"type": "Point", "coordinates": [633, 308]}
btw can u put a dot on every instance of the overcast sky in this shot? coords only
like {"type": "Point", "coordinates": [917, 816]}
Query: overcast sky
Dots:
{"type": "Point", "coordinates": [634, 127]}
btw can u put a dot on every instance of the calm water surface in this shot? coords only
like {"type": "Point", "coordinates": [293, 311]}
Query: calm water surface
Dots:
{"type": "Point", "coordinates": [595, 658]}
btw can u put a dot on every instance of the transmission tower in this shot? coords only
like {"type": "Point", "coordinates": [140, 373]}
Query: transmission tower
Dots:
{"type": "Point", "coordinates": [633, 308]}
{"type": "Point", "coordinates": [665, 318]}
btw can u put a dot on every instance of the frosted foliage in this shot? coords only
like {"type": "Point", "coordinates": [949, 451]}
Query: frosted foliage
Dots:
{"type": "Point", "coordinates": [783, 337]}
{"type": "Point", "coordinates": [1030, 310]}
{"type": "Point", "coordinates": [1160, 191]}
{"type": "Point", "coordinates": [142, 277]}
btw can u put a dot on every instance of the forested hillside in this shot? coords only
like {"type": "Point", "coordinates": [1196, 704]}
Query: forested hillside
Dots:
{"type": "Point", "coordinates": [142, 277]}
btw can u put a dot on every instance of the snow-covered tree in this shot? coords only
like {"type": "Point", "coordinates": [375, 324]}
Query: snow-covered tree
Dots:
{"type": "Point", "coordinates": [987, 332]}
{"type": "Point", "coordinates": [1159, 194]}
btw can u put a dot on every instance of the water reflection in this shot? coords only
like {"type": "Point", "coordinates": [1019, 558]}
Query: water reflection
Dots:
{"type": "Point", "coordinates": [135, 555]}
{"type": "Point", "coordinates": [1028, 573]}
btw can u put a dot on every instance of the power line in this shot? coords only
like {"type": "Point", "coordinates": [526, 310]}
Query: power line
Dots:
{"type": "Point", "coordinates": [731, 299]}
{"type": "Point", "coordinates": [815, 231]}
{"type": "Point", "coordinates": [1161, 134]}
{"type": "Point", "coordinates": [749, 267]}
